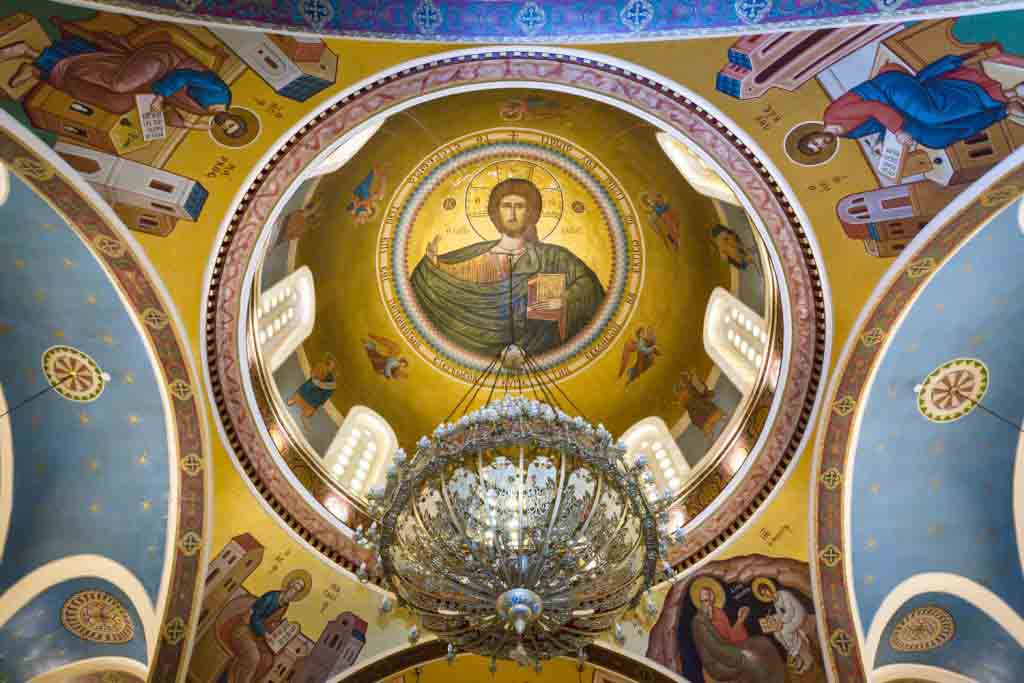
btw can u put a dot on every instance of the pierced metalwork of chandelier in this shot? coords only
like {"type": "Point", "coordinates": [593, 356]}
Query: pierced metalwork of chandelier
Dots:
{"type": "Point", "coordinates": [517, 531]}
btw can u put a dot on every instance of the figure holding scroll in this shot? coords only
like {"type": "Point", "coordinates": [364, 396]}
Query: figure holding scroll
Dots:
{"type": "Point", "coordinates": [515, 289]}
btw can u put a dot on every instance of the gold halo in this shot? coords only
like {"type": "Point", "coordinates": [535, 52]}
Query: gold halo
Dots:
{"type": "Point", "coordinates": [703, 582]}
{"type": "Point", "coordinates": [478, 193]}
{"type": "Point", "coordinates": [252, 129]}
{"type": "Point", "coordinates": [800, 158]}
{"type": "Point", "coordinates": [764, 583]}
{"type": "Point", "coordinates": [302, 575]}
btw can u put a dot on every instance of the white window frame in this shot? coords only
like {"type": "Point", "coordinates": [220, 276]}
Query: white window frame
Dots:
{"type": "Point", "coordinates": [736, 338]}
{"type": "Point", "coordinates": [695, 170]}
{"type": "Point", "coordinates": [361, 450]}
{"type": "Point", "coordinates": [284, 316]}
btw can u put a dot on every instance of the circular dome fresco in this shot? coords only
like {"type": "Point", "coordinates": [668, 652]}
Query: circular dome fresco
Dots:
{"type": "Point", "coordinates": [403, 260]}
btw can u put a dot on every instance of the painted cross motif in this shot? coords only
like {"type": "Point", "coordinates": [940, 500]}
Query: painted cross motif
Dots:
{"type": "Point", "coordinates": [427, 16]}
{"type": "Point", "coordinates": [752, 11]}
{"type": "Point", "coordinates": [317, 12]}
{"type": "Point", "coordinates": [637, 14]}
{"type": "Point", "coordinates": [531, 18]}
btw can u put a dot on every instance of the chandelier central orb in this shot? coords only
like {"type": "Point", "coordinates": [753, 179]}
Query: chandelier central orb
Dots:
{"type": "Point", "coordinates": [518, 532]}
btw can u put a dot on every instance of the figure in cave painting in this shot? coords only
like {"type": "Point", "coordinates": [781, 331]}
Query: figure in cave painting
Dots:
{"type": "Point", "coordinates": [747, 619]}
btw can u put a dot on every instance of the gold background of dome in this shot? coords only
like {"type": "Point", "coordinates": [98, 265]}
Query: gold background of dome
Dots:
{"type": "Point", "coordinates": [341, 255]}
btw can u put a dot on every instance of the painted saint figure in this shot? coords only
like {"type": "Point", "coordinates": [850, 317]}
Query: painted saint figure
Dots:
{"type": "Point", "coordinates": [696, 400]}
{"type": "Point", "coordinates": [107, 72]}
{"type": "Point", "coordinates": [665, 222]}
{"type": "Point", "coordinates": [947, 101]}
{"type": "Point", "coordinates": [645, 348]}
{"type": "Point", "coordinates": [245, 634]}
{"type": "Point", "coordinates": [791, 615]}
{"type": "Point", "coordinates": [731, 248]}
{"type": "Point", "coordinates": [469, 293]}
{"type": "Point", "coordinates": [383, 355]}
{"type": "Point", "coordinates": [318, 389]}
{"type": "Point", "coordinates": [733, 632]}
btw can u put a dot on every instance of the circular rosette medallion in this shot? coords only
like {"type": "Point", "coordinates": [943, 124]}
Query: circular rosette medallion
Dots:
{"type": "Point", "coordinates": [72, 373]}
{"type": "Point", "coordinates": [478, 251]}
{"type": "Point", "coordinates": [953, 389]}
{"type": "Point", "coordinates": [98, 617]}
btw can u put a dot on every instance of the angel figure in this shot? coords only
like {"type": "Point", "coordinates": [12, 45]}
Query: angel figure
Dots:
{"type": "Point", "coordinates": [732, 249]}
{"type": "Point", "coordinates": [370, 190]}
{"type": "Point", "coordinates": [383, 355]}
{"type": "Point", "coordinates": [666, 224]}
{"type": "Point", "coordinates": [644, 347]}
{"type": "Point", "coordinates": [318, 389]}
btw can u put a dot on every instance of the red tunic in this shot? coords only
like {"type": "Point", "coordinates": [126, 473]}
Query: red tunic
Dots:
{"type": "Point", "coordinates": [734, 633]}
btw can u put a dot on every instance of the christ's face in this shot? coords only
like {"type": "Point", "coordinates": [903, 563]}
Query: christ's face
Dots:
{"type": "Point", "coordinates": [513, 213]}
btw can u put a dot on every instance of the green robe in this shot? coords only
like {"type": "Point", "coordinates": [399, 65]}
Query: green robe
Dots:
{"type": "Point", "coordinates": [475, 316]}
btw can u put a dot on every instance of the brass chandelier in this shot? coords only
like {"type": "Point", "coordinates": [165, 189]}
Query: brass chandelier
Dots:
{"type": "Point", "coordinates": [517, 531]}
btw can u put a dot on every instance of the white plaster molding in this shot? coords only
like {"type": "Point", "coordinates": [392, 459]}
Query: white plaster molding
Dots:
{"type": "Point", "coordinates": [6, 472]}
{"type": "Point", "coordinates": [53, 573]}
{"type": "Point", "coordinates": [84, 667]}
{"type": "Point", "coordinates": [921, 672]}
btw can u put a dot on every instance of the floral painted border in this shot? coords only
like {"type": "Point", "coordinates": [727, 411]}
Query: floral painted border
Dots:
{"type": "Point", "coordinates": [573, 73]}
{"type": "Point", "coordinates": [149, 306]}
{"type": "Point", "coordinates": [833, 456]}
{"type": "Point", "coordinates": [547, 21]}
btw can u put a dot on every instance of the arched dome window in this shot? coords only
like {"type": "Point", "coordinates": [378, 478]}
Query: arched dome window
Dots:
{"type": "Point", "coordinates": [736, 338]}
{"type": "Point", "coordinates": [651, 438]}
{"type": "Point", "coordinates": [359, 453]}
{"type": "Point", "coordinates": [285, 314]}
{"type": "Point", "coordinates": [700, 176]}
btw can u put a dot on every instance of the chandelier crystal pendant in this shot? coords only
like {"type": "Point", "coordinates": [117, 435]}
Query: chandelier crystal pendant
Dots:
{"type": "Point", "coordinates": [518, 531]}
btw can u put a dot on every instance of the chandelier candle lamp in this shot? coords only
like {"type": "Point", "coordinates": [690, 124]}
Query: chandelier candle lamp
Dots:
{"type": "Point", "coordinates": [518, 531]}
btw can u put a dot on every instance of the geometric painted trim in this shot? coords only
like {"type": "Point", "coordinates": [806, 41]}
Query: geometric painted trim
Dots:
{"type": "Point", "coordinates": [952, 390]}
{"type": "Point", "coordinates": [98, 617]}
{"type": "Point", "coordinates": [570, 72]}
{"type": "Point", "coordinates": [146, 302]}
{"type": "Point", "coordinates": [850, 383]}
{"type": "Point", "coordinates": [537, 21]}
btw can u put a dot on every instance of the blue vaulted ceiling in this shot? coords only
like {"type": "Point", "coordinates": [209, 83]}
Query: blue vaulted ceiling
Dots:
{"type": "Point", "coordinates": [546, 21]}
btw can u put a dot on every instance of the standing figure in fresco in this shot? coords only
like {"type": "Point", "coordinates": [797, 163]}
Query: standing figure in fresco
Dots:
{"type": "Point", "coordinates": [383, 355]}
{"type": "Point", "coordinates": [244, 633]}
{"type": "Point", "coordinates": [665, 222]}
{"type": "Point", "coordinates": [791, 615]}
{"type": "Point", "coordinates": [944, 103]}
{"type": "Point", "coordinates": [368, 192]}
{"type": "Point", "coordinates": [108, 72]}
{"type": "Point", "coordinates": [731, 248]}
{"type": "Point", "coordinates": [468, 294]}
{"type": "Point", "coordinates": [696, 400]}
{"type": "Point", "coordinates": [645, 348]}
{"type": "Point", "coordinates": [299, 222]}
{"type": "Point", "coordinates": [318, 389]}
